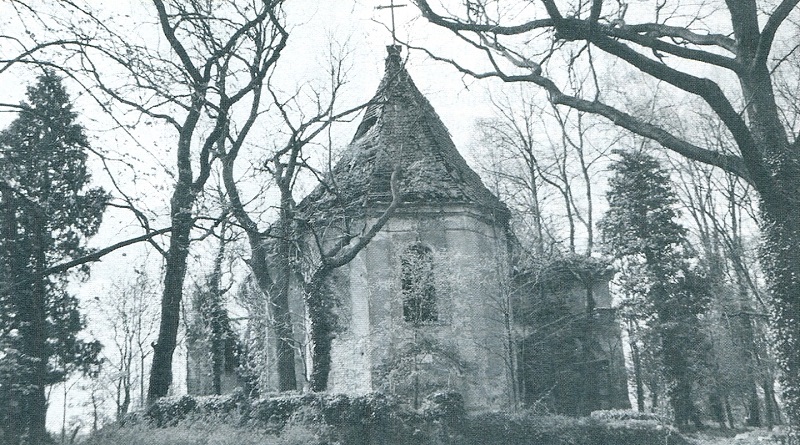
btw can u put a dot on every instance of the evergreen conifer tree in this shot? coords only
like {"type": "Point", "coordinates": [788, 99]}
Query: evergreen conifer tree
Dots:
{"type": "Point", "coordinates": [641, 231]}
{"type": "Point", "coordinates": [47, 213]}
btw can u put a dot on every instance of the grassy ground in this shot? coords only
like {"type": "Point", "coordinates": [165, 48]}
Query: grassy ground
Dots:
{"type": "Point", "coordinates": [316, 419]}
{"type": "Point", "coordinates": [204, 433]}
{"type": "Point", "coordinates": [200, 433]}
{"type": "Point", "coordinates": [758, 436]}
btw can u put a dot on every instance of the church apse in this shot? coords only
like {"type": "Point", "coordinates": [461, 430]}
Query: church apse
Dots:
{"type": "Point", "coordinates": [433, 325]}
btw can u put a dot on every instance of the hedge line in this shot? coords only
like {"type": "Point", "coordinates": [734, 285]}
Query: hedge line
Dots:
{"type": "Point", "coordinates": [380, 419]}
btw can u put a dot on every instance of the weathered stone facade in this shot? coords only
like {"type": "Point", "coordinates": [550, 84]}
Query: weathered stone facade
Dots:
{"type": "Point", "coordinates": [570, 347]}
{"type": "Point", "coordinates": [464, 349]}
{"type": "Point", "coordinates": [200, 373]}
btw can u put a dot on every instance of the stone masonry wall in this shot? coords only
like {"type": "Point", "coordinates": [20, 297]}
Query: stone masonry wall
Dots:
{"type": "Point", "coordinates": [464, 350]}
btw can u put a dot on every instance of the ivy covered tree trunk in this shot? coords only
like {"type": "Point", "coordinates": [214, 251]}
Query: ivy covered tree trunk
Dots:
{"type": "Point", "coordinates": [211, 341]}
{"type": "Point", "coordinates": [223, 343]}
{"type": "Point", "coordinates": [321, 306]}
{"type": "Point", "coordinates": [781, 263]}
{"type": "Point", "coordinates": [276, 289]}
{"type": "Point", "coordinates": [211, 76]}
{"type": "Point", "coordinates": [287, 379]}
{"type": "Point", "coordinates": [272, 270]}
{"type": "Point", "coordinates": [681, 373]}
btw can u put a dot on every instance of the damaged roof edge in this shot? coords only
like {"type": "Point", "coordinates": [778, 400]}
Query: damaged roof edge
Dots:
{"type": "Point", "coordinates": [401, 128]}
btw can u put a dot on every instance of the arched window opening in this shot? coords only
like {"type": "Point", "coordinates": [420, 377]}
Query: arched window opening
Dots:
{"type": "Point", "coordinates": [419, 292]}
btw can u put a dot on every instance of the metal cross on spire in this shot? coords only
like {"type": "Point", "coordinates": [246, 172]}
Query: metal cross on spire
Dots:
{"type": "Point", "coordinates": [391, 7]}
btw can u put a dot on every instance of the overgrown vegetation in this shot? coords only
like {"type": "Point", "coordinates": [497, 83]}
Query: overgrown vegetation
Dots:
{"type": "Point", "coordinates": [664, 295]}
{"type": "Point", "coordinates": [370, 419]}
{"type": "Point", "coordinates": [544, 43]}
{"type": "Point", "coordinates": [694, 347]}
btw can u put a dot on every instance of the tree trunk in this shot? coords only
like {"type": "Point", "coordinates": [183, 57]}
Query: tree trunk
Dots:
{"type": "Point", "coordinates": [637, 368]}
{"type": "Point", "coordinates": [654, 395]}
{"type": "Point", "coordinates": [280, 303]}
{"type": "Point", "coordinates": [278, 294]}
{"type": "Point", "coordinates": [126, 401]}
{"type": "Point", "coordinates": [729, 413]}
{"type": "Point", "coordinates": [175, 273]}
{"type": "Point", "coordinates": [320, 311]}
{"type": "Point", "coordinates": [680, 377]}
{"type": "Point", "coordinates": [717, 408]}
{"type": "Point", "coordinates": [35, 413]}
{"type": "Point", "coordinates": [773, 414]}
{"type": "Point", "coordinates": [591, 395]}
{"type": "Point", "coordinates": [775, 175]}
{"type": "Point", "coordinates": [753, 406]}
{"type": "Point", "coordinates": [217, 315]}
{"type": "Point", "coordinates": [35, 320]}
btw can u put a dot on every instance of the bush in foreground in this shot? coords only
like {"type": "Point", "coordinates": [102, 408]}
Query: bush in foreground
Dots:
{"type": "Point", "coordinates": [528, 428]}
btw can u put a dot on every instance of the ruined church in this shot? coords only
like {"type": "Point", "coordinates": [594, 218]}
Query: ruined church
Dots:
{"type": "Point", "coordinates": [429, 304]}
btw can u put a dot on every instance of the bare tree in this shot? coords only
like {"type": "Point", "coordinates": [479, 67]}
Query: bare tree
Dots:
{"type": "Point", "coordinates": [682, 46]}
{"type": "Point", "coordinates": [722, 209]}
{"type": "Point", "coordinates": [217, 54]}
{"type": "Point", "coordinates": [129, 309]}
{"type": "Point", "coordinates": [291, 247]}
{"type": "Point", "coordinates": [287, 236]}
{"type": "Point", "coordinates": [531, 163]}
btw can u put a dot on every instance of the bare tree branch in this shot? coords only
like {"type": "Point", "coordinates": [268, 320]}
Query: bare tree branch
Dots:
{"type": "Point", "coordinates": [734, 164]}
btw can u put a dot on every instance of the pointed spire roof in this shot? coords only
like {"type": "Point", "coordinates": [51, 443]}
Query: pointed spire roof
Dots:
{"type": "Point", "coordinates": [401, 129]}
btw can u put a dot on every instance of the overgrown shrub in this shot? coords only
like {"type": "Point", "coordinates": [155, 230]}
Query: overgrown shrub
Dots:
{"type": "Point", "coordinates": [445, 406]}
{"type": "Point", "coordinates": [274, 412]}
{"type": "Point", "coordinates": [168, 411]}
{"type": "Point", "coordinates": [367, 419]}
{"type": "Point", "coordinates": [223, 404]}
{"type": "Point", "coordinates": [625, 414]}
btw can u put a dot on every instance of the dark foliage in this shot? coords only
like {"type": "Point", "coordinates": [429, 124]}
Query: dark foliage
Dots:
{"type": "Point", "coordinates": [47, 214]}
{"type": "Point", "coordinates": [563, 367]}
{"type": "Point", "coordinates": [665, 293]}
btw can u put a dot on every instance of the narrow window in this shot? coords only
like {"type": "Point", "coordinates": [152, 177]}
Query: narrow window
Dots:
{"type": "Point", "coordinates": [364, 127]}
{"type": "Point", "coordinates": [419, 293]}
